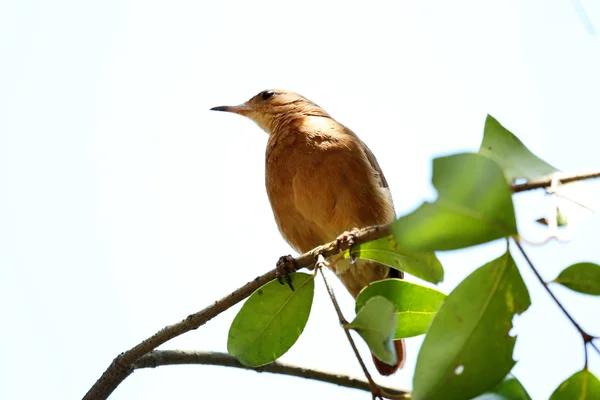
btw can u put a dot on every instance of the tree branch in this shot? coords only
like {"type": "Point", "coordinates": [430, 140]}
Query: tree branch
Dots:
{"type": "Point", "coordinates": [122, 366]}
{"type": "Point", "coordinates": [545, 182]}
{"type": "Point", "coordinates": [158, 358]}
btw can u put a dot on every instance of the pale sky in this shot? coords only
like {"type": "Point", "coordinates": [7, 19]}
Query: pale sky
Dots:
{"type": "Point", "coordinates": [125, 204]}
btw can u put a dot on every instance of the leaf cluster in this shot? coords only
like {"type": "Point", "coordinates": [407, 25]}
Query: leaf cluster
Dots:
{"type": "Point", "coordinates": [468, 348]}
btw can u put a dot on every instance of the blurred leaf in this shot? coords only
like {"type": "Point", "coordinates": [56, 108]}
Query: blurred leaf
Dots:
{"type": "Point", "coordinates": [376, 324]}
{"type": "Point", "coordinates": [415, 305]}
{"type": "Point", "coordinates": [509, 389]}
{"type": "Point", "coordinates": [468, 349]}
{"type": "Point", "coordinates": [271, 320]}
{"type": "Point", "coordinates": [582, 277]}
{"type": "Point", "coordinates": [561, 219]}
{"type": "Point", "coordinates": [512, 155]}
{"type": "Point", "coordinates": [386, 251]}
{"type": "Point", "coordinates": [583, 385]}
{"type": "Point", "coordinates": [474, 206]}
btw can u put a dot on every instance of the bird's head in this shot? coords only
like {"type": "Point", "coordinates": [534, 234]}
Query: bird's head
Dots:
{"type": "Point", "coordinates": [274, 108]}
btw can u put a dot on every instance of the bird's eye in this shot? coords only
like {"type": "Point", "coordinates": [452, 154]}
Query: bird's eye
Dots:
{"type": "Point", "coordinates": [266, 95]}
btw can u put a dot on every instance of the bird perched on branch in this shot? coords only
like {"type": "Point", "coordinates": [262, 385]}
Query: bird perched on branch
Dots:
{"type": "Point", "coordinates": [321, 180]}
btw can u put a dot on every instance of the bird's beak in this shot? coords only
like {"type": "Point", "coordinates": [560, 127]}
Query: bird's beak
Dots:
{"type": "Point", "coordinates": [242, 109]}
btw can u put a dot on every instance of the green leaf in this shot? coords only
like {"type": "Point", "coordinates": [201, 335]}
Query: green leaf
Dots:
{"type": "Point", "coordinates": [509, 389]}
{"type": "Point", "coordinates": [582, 277]}
{"type": "Point", "coordinates": [583, 385]}
{"type": "Point", "coordinates": [376, 324]}
{"type": "Point", "coordinates": [271, 321]}
{"type": "Point", "coordinates": [386, 251]}
{"type": "Point", "coordinates": [512, 155]}
{"type": "Point", "coordinates": [474, 206]}
{"type": "Point", "coordinates": [468, 349]}
{"type": "Point", "coordinates": [576, 201]}
{"type": "Point", "coordinates": [415, 305]}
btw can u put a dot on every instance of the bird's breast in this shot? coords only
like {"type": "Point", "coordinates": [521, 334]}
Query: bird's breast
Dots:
{"type": "Point", "coordinates": [288, 158]}
{"type": "Point", "coordinates": [320, 185]}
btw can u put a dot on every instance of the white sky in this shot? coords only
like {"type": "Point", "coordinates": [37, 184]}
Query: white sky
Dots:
{"type": "Point", "coordinates": [125, 204]}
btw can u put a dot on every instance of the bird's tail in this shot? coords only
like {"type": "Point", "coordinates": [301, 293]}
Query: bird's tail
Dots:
{"type": "Point", "coordinates": [383, 368]}
{"type": "Point", "coordinates": [386, 369]}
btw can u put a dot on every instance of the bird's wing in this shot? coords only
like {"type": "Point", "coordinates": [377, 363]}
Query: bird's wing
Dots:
{"type": "Point", "coordinates": [375, 165]}
{"type": "Point", "coordinates": [394, 273]}
{"type": "Point", "coordinates": [340, 186]}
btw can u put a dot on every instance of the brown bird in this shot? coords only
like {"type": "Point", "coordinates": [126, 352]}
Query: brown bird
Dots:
{"type": "Point", "coordinates": [321, 180]}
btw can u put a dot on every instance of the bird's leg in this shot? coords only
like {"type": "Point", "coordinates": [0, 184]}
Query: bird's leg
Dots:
{"type": "Point", "coordinates": [347, 238]}
{"type": "Point", "coordinates": [285, 266]}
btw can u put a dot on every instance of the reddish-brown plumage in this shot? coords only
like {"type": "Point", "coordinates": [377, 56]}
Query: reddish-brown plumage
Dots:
{"type": "Point", "coordinates": [321, 180]}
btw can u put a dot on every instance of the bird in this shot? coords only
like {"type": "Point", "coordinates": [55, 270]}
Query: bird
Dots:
{"type": "Point", "coordinates": [322, 180]}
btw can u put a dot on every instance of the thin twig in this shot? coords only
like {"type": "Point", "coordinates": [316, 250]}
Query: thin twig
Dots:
{"type": "Point", "coordinates": [158, 358]}
{"type": "Point", "coordinates": [587, 338]}
{"type": "Point", "coordinates": [593, 344]}
{"type": "Point", "coordinates": [546, 181]}
{"type": "Point", "coordinates": [375, 390]}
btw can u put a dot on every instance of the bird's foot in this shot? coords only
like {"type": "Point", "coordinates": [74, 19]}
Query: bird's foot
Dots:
{"type": "Point", "coordinates": [347, 238]}
{"type": "Point", "coordinates": [285, 266]}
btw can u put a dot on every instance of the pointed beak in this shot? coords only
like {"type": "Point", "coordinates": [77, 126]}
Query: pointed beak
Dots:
{"type": "Point", "coordinates": [242, 109]}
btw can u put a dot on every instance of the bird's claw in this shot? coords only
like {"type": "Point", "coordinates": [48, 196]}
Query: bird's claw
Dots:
{"type": "Point", "coordinates": [285, 266]}
{"type": "Point", "coordinates": [348, 238]}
